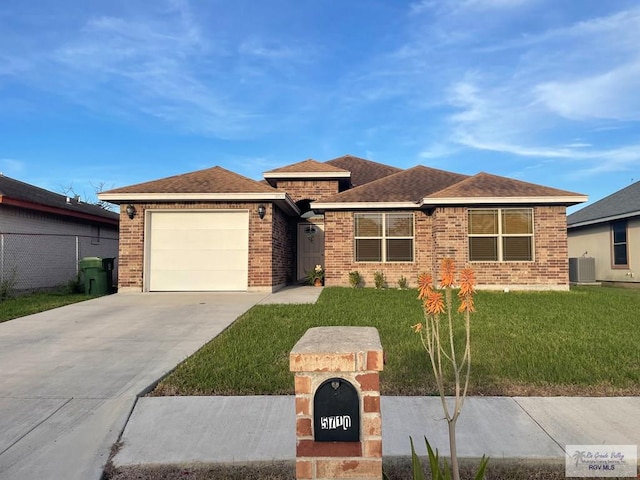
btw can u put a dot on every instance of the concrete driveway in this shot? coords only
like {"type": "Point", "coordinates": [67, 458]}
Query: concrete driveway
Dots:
{"type": "Point", "coordinates": [69, 377]}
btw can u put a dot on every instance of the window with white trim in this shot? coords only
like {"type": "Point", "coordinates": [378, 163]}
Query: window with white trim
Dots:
{"type": "Point", "coordinates": [501, 235]}
{"type": "Point", "coordinates": [619, 243]}
{"type": "Point", "coordinates": [383, 237]}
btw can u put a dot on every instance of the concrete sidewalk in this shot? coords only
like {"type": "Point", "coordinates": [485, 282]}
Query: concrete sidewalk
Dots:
{"type": "Point", "coordinates": [179, 430]}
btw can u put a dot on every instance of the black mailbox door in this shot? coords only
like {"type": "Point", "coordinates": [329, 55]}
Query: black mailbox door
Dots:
{"type": "Point", "coordinates": [336, 412]}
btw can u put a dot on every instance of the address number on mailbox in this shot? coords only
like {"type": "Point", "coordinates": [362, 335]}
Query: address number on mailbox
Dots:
{"type": "Point", "coordinates": [336, 412]}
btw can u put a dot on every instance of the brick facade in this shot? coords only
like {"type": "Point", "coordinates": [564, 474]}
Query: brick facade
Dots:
{"type": "Point", "coordinates": [271, 252]}
{"type": "Point", "coordinates": [439, 233]}
{"type": "Point", "coordinates": [443, 233]}
{"type": "Point", "coordinates": [283, 254]}
{"type": "Point", "coordinates": [308, 189]}
{"type": "Point", "coordinates": [340, 252]}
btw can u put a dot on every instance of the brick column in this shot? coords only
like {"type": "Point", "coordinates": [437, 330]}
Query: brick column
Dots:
{"type": "Point", "coordinates": [355, 355]}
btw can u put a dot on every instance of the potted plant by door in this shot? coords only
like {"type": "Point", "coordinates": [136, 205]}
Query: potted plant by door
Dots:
{"type": "Point", "coordinates": [316, 276]}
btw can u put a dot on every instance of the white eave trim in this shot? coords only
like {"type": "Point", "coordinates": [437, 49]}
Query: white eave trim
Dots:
{"type": "Point", "coordinates": [171, 197]}
{"type": "Point", "coordinates": [612, 218]}
{"type": "Point", "coordinates": [281, 198]}
{"type": "Point", "coordinates": [363, 205]}
{"type": "Point", "coordinates": [308, 175]}
{"type": "Point", "coordinates": [569, 200]}
{"type": "Point", "coordinates": [429, 202]}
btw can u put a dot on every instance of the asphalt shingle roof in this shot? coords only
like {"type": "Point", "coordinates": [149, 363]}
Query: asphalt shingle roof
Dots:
{"type": "Point", "coordinates": [405, 186]}
{"type": "Point", "coordinates": [30, 194]}
{"type": "Point", "coordinates": [619, 204]}
{"type": "Point", "coordinates": [308, 166]}
{"type": "Point", "coordinates": [487, 185]}
{"type": "Point", "coordinates": [372, 182]}
{"type": "Point", "coordinates": [210, 180]}
{"type": "Point", "coordinates": [362, 171]}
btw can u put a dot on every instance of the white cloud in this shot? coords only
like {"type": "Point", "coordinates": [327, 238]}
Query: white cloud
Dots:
{"type": "Point", "coordinates": [417, 8]}
{"type": "Point", "coordinates": [524, 93]}
{"type": "Point", "coordinates": [465, 6]}
{"type": "Point", "coordinates": [145, 65]}
{"type": "Point", "coordinates": [495, 4]}
{"type": "Point", "coordinates": [614, 94]}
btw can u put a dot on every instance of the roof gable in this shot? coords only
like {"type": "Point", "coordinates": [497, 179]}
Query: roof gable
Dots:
{"type": "Point", "coordinates": [210, 180]}
{"type": "Point", "coordinates": [212, 184]}
{"type": "Point", "coordinates": [308, 166]}
{"type": "Point", "coordinates": [362, 171]}
{"type": "Point", "coordinates": [407, 186]}
{"type": "Point", "coordinates": [620, 204]}
{"type": "Point", "coordinates": [23, 195]}
{"type": "Point", "coordinates": [307, 170]}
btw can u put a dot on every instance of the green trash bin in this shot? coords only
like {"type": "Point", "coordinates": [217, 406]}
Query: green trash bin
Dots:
{"type": "Point", "coordinates": [95, 276]}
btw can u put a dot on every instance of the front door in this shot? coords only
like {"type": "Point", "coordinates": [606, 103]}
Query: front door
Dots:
{"type": "Point", "coordinates": [310, 247]}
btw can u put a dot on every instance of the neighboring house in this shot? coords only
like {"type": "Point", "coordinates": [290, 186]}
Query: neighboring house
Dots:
{"type": "Point", "coordinates": [216, 230]}
{"type": "Point", "coordinates": [609, 231]}
{"type": "Point", "coordinates": [44, 234]}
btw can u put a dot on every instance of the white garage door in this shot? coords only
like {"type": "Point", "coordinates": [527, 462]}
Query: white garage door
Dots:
{"type": "Point", "coordinates": [198, 251]}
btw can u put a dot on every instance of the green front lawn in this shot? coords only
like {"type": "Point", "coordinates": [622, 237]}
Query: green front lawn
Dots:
{"type": "Point", "coordinates": [20, 306]}
{"type": "Point", "coordinates": [583, 342]}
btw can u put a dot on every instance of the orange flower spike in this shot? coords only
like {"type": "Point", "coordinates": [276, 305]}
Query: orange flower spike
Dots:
{"type": "Point", "coordinates": [467, 282]}
{"type": "Point", "coordinates": [417, 327]}
{"type": "Point", "coordinates": [434, 303]}
{"type": "Point", "coordinates": [425, 285]}
{"type": "Point", "coordinates": [466, 305]}
{"type": "Point", "coordinates": [448, 270]}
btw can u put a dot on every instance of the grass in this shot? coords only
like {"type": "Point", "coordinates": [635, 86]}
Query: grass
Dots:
{"type": "Point", "coordinates": [397, 470]}
{"type": "Point", "coordinates": [22, 305]}
{"type": "Point", "coordinates": [582, 342]}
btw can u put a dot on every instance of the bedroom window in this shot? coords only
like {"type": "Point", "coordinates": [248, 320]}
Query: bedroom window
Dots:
{"type": "Point", "coordinates": [384, 237]}
{"type": "Point", "coordinates": [619, 243]}
{"type": "Point", "coordinates": [501, 235]}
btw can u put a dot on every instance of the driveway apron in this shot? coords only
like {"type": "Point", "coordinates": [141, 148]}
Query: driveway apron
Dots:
{"type": "Point", "coordinates": [69, 377]}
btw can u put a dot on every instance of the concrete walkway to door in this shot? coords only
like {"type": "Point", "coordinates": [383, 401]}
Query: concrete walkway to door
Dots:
{"type": "Point", "coordinates": [69, 377]}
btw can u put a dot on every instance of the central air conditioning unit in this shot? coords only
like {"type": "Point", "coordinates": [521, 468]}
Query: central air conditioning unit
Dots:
{"type": "Point", "coordinates": [582, 270]}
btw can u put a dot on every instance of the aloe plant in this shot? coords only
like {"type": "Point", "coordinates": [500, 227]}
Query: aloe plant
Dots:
{"type": "Point", "coordinates": [437, 337]}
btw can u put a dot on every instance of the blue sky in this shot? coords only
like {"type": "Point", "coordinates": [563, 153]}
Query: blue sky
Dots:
{"type": "Point", "coordinates": [116, 92]}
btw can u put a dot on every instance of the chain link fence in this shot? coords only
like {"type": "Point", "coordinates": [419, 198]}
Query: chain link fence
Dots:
{"type": "Point", "coordinates": [31, 262]}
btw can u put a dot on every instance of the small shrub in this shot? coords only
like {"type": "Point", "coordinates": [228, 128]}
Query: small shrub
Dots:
{"type": "Point", "coordinates": [73, 286]}
{"type": "Point", "coordinates": [402, 283]}
{"type": "Point", "coordinates": [354, 279]}
{"type": "Point", "coordinates": [316, 274]}
{"type": "Point", "coordinates": [8, 285]}
{"type": "Point", "coordinates": [378, 279]}
{"type": "Point", "coordinates": [439, 469]}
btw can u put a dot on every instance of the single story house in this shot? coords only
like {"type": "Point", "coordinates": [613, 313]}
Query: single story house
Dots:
{"type": "Point", "coordinates": [217, 230]}
{"type": "Point", "coordinates": [43, 235]}
{"type": "Point", "coordinates": [607, 231]}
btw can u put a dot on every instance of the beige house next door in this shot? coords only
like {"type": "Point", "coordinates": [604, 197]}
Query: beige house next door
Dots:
{"type": "Point", "coordinates": [310, 247]}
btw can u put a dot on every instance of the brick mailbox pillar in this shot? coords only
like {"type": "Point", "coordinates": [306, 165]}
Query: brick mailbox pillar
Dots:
{"type": "Point", "coordinates": [338, 421]}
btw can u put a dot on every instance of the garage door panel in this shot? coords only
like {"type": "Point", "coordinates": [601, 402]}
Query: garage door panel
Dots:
{"type": "Point", "coordinates": [200, 240]}
{"type": "Point", "coordinates": [177, 281]}
{"type": "Point", "coordinates": [210, 261]}
{"type": "Point", "coordinates": [198, 251]}
{"type": "Point", "coordinates": [199, 220]}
